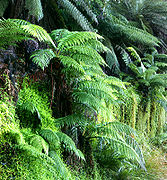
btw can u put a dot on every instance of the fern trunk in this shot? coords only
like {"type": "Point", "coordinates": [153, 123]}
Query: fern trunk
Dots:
{"type": "Point", "coordinates": [153, 119]}
{"type": "Point", "coordinates": [161, 120]}
{"type": "Point", "coordinates": [134, 111]}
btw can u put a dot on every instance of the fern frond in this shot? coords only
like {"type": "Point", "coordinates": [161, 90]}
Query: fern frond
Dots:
{"type": "Point", "coordinates": [71, 63]}
{"type": "Point", "coordinates": [125, 56]}
{"type": "Point", "coordinates": [123, 128]}
{"type": "Point", "coordinates": [71, 120]}
{"type": "Point", "coordinates": [39, 143]}
{"type": "Point", "coordinates": [50, 137]}
{"type": "Point", "coordinates": [89, 100]}
{"type": "Point", "coordinates": [58, 34]}
{"type": "Point", "coordinates": [35, 8]}
{"type": "Point", "coordinates": [111, 80]}
{"type": "Point", "coordinates": [88, 51]}
{"type": "Point", "coordinates": [127, 147]}
{"type": "Point", "coordinates": [160, 57]}
{"type": "Point", "coordinates": [112, 60]}
{"type": "Point", "coordinates": [82, 4]}
{"type": "Point", "coordinates": [38, 32]}
{"type": "Point", "coordinates": [42, 57]}
{"type": "Point", "coordinates": [114, 27]}
{"type": "Point", "coordinates": [13, 29]}
{"type": "Point", "coordinates": [116, 126]}
{"type": "Point", "coordinates": [135, 69]}
{"type": "Point", "coordinates": [161, 64]}
{"type": "Point", "coordinates": [70, 145]}
{"type": "Point", "coordinates": [60, 166]}
{"type": "Point", "coordinates": [77, 38]}
{"type": "Point", "coordinates": [131, 150]}
{"type": "Point", "coordinates": [98, 89]}
{"type": "Point", "coordinates": [76, 14]}
{"type": "Point", "coordinates": [10, 32]}
{"type": "Point", "coordinates": [97, 45]}
{"type": "Point", "coordinates": [157, 80]}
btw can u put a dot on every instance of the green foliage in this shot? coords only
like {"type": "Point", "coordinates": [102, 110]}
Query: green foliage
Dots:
{"type": "Point", "coordinates": [43, 57]}
{"type": "Point", "coordinates": [119, 137]}
{"type": "Point", "coordinates": [34, 106]}
{"type": "Point", "coordinates": [148, 14]}
{"type": "Point", "coordinates": [15, 30]}
{"type": "Point", "coordinates": [3, 6]}
{"type": "Point", "coordinates": [77, 15]}
{"type": "Point", "coordinates": [114, 28]}
{"type": "Point", "coordinates": [35, 8]}
{"type": "Point", "coordinates": [10, 33]}
{"type": "Point", "coordinates": [96, 99]}
{"type": "Point", "coordinates": [69, 144]}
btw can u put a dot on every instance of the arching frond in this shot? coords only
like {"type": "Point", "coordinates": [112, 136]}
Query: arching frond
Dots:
{"type": "Point", "coordinates": [14, 30]}
{"type": "Point", "coordinates": [130, 150]}
{"type": "Point", "coordinates": [70, 145]}
{"type": "Point", "coordinates": [38, 32]}
{"type": "Point", "coordinates": [113, 27]}
{"type": "Point", "coordinates": [50, 137]}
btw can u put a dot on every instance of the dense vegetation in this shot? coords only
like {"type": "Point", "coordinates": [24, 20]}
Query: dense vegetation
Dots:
{"type": "Point", "coordinates": [83, 89]}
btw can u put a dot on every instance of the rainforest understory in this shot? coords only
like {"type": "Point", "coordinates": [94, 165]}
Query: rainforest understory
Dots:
{"type": "Point", "coordinates": [83, 89]}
